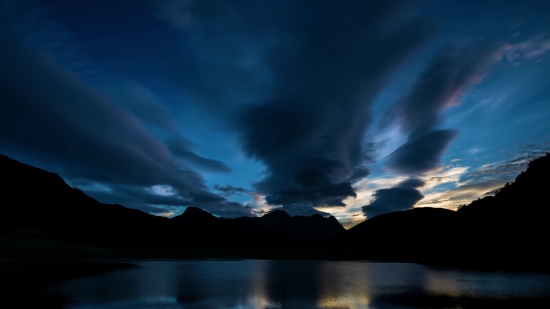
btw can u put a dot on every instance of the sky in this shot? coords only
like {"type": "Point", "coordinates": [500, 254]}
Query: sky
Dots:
{"type": "Point", "coordinates": [348, 108]}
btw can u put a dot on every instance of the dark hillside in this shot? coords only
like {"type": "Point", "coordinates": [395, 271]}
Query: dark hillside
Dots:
{"type": "Point", "coordinates": [508, 230]}
{"type": "Point", "coordinates": [39, 203]}
{"type": "Point", "coordinates": [512, 226]}
{"type": "Point", "coordinates": [32, 197]}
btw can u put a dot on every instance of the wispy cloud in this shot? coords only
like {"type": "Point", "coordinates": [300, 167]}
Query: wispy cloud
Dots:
{"type": "Point", "coordinates": [473, 183]}
{"type": "Point", "coordinates": [534, 47]}
{"type": "Point", "coordinates": [228, 190]}
{"type": "Point", "coordinates": [143, 103]}
{"type": "Point", "coordinates": [40, 119]}
{"type": "Point", "coordinates": [473, 151]}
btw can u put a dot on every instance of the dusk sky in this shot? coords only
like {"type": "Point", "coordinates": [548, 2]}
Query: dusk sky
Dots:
{"type": "Point", "coordinates": [349, 108]}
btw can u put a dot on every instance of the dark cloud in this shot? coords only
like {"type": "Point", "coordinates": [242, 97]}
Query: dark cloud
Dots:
{"type": "Point", "coordinates": [228, 190]}
{"type": "Point", "coordinates": [514, 165]}
{"type": "Point", "coordinates": [421, 155]}
{"type": "Point", "coordinates": [446, 77]}
{"type": "Point", "coordinates": [52, 117]}
{"type": "Point", "coordinates": [146, 106]}
{"type": "Point", "coordinates": [299, 77]}
{"type": "Point", "coordinates": [178, 148]}
{"type": "Point", "coordinates": [418, 114]}
{"type": "Point", "coordinates": [401, 197]}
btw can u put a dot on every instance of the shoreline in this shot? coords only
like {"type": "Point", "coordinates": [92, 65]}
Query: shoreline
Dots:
{"type": "Point", "coordinates": [23, 284]}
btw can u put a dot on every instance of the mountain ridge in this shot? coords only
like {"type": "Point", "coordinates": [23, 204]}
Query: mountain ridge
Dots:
{"type": "Point", "coordinates": [501, 231]}
{"type": "Point", "coordinates": [505, 231]}
{"type": "Point", "coordinates": [42, 200]}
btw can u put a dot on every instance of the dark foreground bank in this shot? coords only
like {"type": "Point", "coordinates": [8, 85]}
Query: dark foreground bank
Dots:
{"type": "Point", "coordinates": [23, 283]}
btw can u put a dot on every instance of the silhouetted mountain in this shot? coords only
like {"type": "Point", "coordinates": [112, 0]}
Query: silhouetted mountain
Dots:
{"type": "Point", "coordinates": [511, 226]}
{"type": "Point", "coordinates": [277, 227]}
{"type": "Point", "coordinates": [32, 198]}
{"type": "Point", "coordinates": [197, 227]}
{"type": "Point", "coordinates": [193, 216]}
{"type": "Point", "coordinates": [400, 227]}
{"type": "Point", "coordinates": [508, 230]}
{"type": "Point", "coordinates": [307, 229]}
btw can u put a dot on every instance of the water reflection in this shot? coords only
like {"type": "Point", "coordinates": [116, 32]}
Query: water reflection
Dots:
{"type": "Point", "coordinates": [301, 284]}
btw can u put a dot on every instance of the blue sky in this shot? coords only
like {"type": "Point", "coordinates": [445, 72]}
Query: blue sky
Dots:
{"type": "Point", "coordinates": [313, 106]}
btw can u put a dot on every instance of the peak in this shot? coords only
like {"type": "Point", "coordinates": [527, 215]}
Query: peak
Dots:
{"type": "Point", "coordinates": [195, 210]}
{"type": "Point", "coordinates": [277, 214]}
{"type": "Point", "coordinates": [195, 214]}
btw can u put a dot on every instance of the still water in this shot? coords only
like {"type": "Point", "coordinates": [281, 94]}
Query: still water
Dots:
{"type": "Point", "coordinates": [303, 284]}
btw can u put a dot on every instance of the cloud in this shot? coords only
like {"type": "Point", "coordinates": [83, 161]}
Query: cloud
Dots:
{"type": "Point", "coordinates": [228, 190]}
{"type": "Point", "coordinates": [473, 151]}
{"type": "Point", "coordinates": [146, 106]}
{"type": "Point", "coordinates": [418, 114]}
{"type": "Point", "coordinates": [471, 184]}
{"type": "Point", "coordinates": [432, 181]}
{"type": "Point", "coordinates": [463, 194]}
{"type": "Point", "coordinates": [131, 196]}
{"type": "Point", "coordinates": [444, 176]}
{"type": "Point", "coordinates": [297, 80]}
{"type": "Point", "coordinates": [52, 117]}
{"type": "Point", "coordinates": [422, 155]}
{"type": "Point", "coordinates": [401, 197]}
{"type": "Point", "coordinates": [178, 148]}
{"type": "Point", "coordinates": [447, 76]}
{"type": "Point", "coordinates": [535, 47]}
{"type": "Point", "coordinates": [514, 165]}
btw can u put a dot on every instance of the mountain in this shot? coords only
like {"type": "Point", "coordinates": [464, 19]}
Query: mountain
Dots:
{"type": "Point", "coordinates": [305, 229]}
{"type": "Point", "coordinates": [276, 227]}
{"type": "Point", "coordinates": [37, 202]}
{"type": "Point", "coordinates": [32, 197]}
{"type": "Point", "coordinates": [507, 230]}
{"type": "Point", "coordinates": [511, 226]}
{"type": "Point", "coordinates": [199, 228]}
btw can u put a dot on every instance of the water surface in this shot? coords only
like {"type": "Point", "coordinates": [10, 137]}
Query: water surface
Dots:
{"type": "Point", "coordinates": [303, 284]}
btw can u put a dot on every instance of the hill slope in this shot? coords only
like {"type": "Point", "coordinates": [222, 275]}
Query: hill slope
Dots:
{"type": "Point", "coordinates": [33, 197]}
{"type": "Point", "coordinates": [508, 230]}
{"type": "Point", "coordinates": [40, 201]}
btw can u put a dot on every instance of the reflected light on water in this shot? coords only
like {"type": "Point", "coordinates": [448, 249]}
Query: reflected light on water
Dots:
{"type": "Point", "coordinates": [343, 286]}
{"type": "Point", "coordinates": [255, 284]}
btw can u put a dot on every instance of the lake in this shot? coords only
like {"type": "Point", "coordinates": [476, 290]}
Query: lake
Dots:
{"type": "Point", "coordinates": [303, 284]}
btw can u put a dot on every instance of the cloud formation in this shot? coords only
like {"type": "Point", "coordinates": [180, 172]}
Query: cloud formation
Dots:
{"type": "Point", "coordinates": [401, 197]}
{"type": "Point", "coordinates": [298, 78]}
{"type": "Point", "coordinates": [228, 190]}
{"type": "Point", "coordinates": [421, 155]}
{"type": "Point", "coordinates": [50, 115]}
{"type": "Point", "coordinates": [148, 108]}
{"type": "Point", "coordinates": [418, 114]}
{"type": "Point", "coordinates": [447, 76]}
